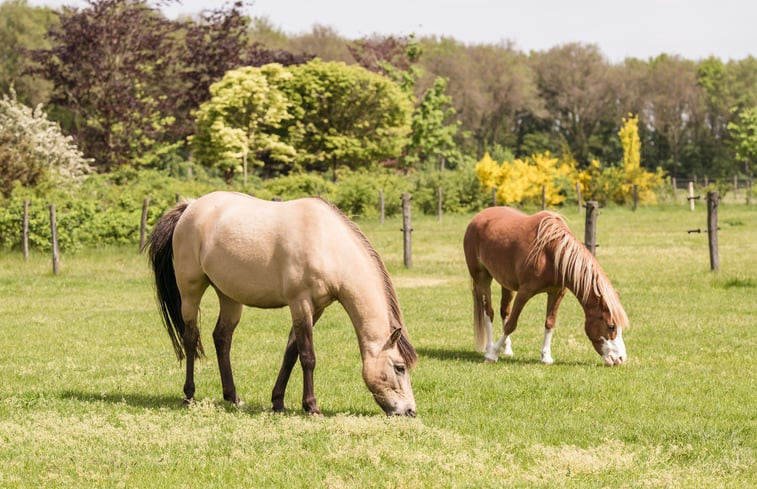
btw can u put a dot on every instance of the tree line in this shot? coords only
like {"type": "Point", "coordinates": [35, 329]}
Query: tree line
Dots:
{"type": "Point", "coordinates": [127, 84]}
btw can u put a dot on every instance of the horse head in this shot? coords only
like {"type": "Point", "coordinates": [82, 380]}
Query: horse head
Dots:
{"type": "Point", "coordinates": [605, 333]}
{"type": "Point", "coordinates": [387, 375]}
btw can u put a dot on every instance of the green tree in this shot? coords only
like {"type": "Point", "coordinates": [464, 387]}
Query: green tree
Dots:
{"type": "Point", "coordinates": [23, 27]}
{"type": "Point", "coordinates": [744, 133]}
{"type": "Point", "coordinates": [432, 138]}
{"type": "Point", "coordinates": [345, 116]}
{"type": "Point", "coordinates": [242, 119]}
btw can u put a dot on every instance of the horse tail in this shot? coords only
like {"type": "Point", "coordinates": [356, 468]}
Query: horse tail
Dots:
{"type": "Point", "coordinates": [479, 319]}
{"type": "Point", "coordinates": [160, 252]}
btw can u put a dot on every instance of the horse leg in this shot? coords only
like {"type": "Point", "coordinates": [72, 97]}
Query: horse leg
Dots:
{"type": "Point", "coordinates": [553, 303]}
{"type": "Point", "coordinates": [290, 358]}
{"type": "Point", "coordinates": [192, 284]}
{"type": "Point", "coordinates": [291, 353]}
{"type": "Point", "coordinates": [504, 311]}
{"type": "Point", "coordinates": [483, 314]}
{"type": "Point", "coordinates": [228, 318]}
{"type": "Point", "coordinates": [191, 339]}
{"type": "Point", "coordinates": [511, 320]}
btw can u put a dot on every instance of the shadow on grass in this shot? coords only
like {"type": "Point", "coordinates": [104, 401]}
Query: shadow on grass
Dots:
{"type": "Point", "coordinates": [147, 401]}
{"type": "Point", "coordinates": [472, 356]}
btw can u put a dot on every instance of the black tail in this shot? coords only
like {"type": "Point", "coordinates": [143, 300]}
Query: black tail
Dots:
{"type": "Point", "coordinates": [161, 260]}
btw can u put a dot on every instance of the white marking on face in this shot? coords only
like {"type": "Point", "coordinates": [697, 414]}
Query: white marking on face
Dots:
{"type": "Point", "coordinates": [614, 351]}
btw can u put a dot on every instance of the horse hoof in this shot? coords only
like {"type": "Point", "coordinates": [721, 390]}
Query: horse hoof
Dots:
{"type": "Point", "coordinates": [490, 360]}
{"type": "Point", "coordinates": [188, 401]}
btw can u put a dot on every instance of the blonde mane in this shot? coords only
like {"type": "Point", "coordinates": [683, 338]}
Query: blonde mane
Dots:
{"type": "Point", "coordinates": [575, 265]}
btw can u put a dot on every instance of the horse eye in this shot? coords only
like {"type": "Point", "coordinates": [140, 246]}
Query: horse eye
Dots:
{"type": "Point", "coordinates": [611, 327]}
{"type": "Point", "coordinates": [399, 369]}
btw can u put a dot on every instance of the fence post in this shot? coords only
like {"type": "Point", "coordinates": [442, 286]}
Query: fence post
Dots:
{"type": "Point", "coordinates": [25, 231]}
{"type": "Point", "coordinates": [590, 233]}
{"type": "Point", "coordinates": [543, 197]}
{"type": "Point", "coordinates": [439, 203]}
{"type": "Point", "coordinates": [54, 232]}
{"type": "Point", "coordinates": [635, 196]}
{"type": "Point", "coordinates": [691, 195]}
{"type": "Point", "coordinates": [494, 196]}
{"type": "Point", "coordinates": [381, 206]}
{"type": "Point", "coordinates": [407, 229]}
{"type": "Point", "coordinates": [143, 223]}
{"type": "Point", "coordinates": [578, 196]}
{"type": "Point", "coordinates": [712, 229]}
{"type": "Point", "coordinates": [749, 191]}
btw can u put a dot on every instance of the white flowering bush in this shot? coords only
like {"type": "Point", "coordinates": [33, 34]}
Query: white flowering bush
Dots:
{"type": "Point", "coordinates": [33, 149]}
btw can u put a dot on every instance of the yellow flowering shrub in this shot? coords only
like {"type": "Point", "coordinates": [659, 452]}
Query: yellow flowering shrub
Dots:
{"type": "Point", "coordinates": [521, 181]}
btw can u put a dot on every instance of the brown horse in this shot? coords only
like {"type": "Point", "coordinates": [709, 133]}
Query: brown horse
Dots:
{"type": "Point", "coordinates": [530, 255]}
{"type": "Point", "coordinates": [303, 254]}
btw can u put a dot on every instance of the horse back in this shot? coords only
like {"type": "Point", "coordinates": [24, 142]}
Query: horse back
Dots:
{"type": "Point", "coordinates": [261, 253]}
{"type": "Point", "coordinates": [498, 241]}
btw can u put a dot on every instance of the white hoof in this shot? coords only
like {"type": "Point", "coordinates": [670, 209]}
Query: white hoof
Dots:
{"type": "Point", "coordinates": [508, 351]}
{"type": "Point", "coordinates": [547, 359]}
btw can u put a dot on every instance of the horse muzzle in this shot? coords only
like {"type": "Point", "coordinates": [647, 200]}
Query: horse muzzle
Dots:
{"type": "Point", "coordinates": [614, 351]}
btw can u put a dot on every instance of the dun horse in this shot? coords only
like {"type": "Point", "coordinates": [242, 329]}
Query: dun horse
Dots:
{"type": "Point", "coordinates": [531, 255]}
{"type": "Point", "coordinates": [303, 254]}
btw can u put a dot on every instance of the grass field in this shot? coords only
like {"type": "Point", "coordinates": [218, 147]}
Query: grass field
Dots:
{"type": "Point", "coordinates": [90, 391]}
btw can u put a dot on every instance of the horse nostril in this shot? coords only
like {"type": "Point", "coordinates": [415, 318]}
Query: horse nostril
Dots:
{"type": "Point", "coordinates": [410, 412]}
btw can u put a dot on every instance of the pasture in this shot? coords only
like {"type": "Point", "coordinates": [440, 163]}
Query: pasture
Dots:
{"type": "Point", "coordinates": [90, 389]}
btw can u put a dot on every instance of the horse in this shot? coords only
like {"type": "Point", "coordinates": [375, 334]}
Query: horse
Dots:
{"type": "Point", "coordinates": [303, 254]}
{"type": "Point", "coordinates": [528, 255]}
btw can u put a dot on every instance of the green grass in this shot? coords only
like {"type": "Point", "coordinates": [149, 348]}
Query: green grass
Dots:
{"type": "Point", "coordinates": [90, 392]}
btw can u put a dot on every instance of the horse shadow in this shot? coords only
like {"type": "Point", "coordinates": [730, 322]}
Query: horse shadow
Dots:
{"type": "Point", "coordinates": [471, 356]}
{"type": "Point", "coordinates": [159, 401]}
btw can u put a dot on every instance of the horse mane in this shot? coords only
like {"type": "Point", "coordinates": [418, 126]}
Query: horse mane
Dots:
{"type": "Point", "coordinates": [575, 265]}
{"type": "Point", "coordinates": [406, 349]}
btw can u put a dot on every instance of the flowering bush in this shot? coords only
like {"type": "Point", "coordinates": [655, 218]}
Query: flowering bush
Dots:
{"type": "Point", "coordinates": [34, 150]}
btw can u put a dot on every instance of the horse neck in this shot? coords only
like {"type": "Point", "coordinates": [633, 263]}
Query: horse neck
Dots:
{"type": "Point", "coordinates": [364, 295]}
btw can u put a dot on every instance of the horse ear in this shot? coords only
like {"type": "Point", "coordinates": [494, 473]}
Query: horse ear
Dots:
{"type": "Point", "coordinates": [396, 335]}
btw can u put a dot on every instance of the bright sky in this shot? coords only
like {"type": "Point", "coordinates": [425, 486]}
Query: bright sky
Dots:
{"type": "Point", "coordinates": [694, 29]}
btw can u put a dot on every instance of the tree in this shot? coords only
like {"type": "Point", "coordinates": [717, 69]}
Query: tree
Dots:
{"type": "Point", "coordinates": [241, 120]}
{"type": "Point", "coordinates": [672, 100]}
{"type": "Point", "coordinates": [109, 70]}
{"type": "Point", "coordinates": [493, 89]}
{"type": "Point", "coordinates": [575, 82]}
{"type": "Point", "coordinates": [744, 134]}
{"type": "Point", "coordinates": [345, 116]}
{"type": "Point", "coordinates": [432, 137]}
{"type": "Point", "coordinates": [22, 28]}
{"type": "Point", "coordinates": [33, 149]}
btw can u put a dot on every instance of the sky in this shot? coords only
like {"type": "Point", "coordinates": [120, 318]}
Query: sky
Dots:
{"type": "Point", "coordinates": [692, 29]}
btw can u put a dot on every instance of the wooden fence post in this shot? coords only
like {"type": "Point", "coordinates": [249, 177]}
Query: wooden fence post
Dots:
{"type": "Point", "coordinates": [381, 206]}
{"type": "Point", "coordinates": [54, 232]}
{"type": "Point", "coordinates": [407, 229]}
{"type": "Point", "coordinates": [543, 197]}
{"type": "Point", "coordinates": [712, 229]}
{"type": "Point", "coordinates": [439, 203]}
{"type": "Point", "coordinates": [494, 196]}
{"type": "Point", "coordinates": [635, 196]}
{"type": "Point", "coordinates": [749, 191]}
{"type": "Point", "coordinates": [590, 233]}
{"type": "Point", "coordinates": [143, 223]}
{"type": "Point", "coordinates": [25, 231]}
{"type": "Point", "coordinates": [691, 195]}
{"type": "Point", "coordinates": [578, 196]}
